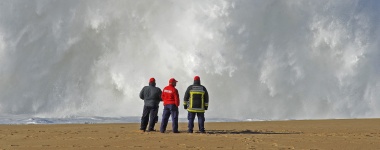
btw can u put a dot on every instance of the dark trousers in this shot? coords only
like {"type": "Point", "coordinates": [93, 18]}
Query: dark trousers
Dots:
{"type": "Point", "coordinates": [149, 115]}
{"type": "Point", "coordinates": [169, 110]}
{"type": "Point", "coordinates": [201, 121]}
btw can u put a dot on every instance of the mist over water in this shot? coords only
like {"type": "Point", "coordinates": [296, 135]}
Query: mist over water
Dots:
{"type": "Point", "coordinates": [261, 59]}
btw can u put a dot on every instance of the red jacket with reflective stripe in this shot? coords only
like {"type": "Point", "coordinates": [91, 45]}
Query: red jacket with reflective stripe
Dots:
{"type": "Point", "coordinates": [170, 95]}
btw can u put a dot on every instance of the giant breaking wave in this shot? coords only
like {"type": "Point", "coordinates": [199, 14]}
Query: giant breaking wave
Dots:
{"type": "Point", "coordinates": [261, 59]}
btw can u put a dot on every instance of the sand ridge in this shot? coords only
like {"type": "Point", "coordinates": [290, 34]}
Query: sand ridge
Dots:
{"type": "Point", "coordinates": [303, 134]}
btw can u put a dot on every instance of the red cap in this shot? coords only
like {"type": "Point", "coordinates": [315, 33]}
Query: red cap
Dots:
{"type": "Point", "coordinates": [196, 78]}
{"type": "Point", "coordinates": [172, 80]}
{"type": "Point", "coordinates": [152, 80]}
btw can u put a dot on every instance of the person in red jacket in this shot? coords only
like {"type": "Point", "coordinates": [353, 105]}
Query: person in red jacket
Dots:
{"type": "Point", "coordinates": [170, 97]}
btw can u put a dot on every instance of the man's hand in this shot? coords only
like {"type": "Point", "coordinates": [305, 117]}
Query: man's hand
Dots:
{"type": "Point", "coordinates": [184, 106]}
{"type": "Point", "coordinates": [206, 107]}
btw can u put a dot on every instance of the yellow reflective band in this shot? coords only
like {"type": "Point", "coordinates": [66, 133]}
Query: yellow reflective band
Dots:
{"type": "Point", "coordinates": [191, 99]}
{"type": "Point", "coordinates": [192, 110]}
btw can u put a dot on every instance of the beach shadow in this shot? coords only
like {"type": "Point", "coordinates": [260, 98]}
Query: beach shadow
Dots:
{"type": "Point", "coordinates": [248, 132]}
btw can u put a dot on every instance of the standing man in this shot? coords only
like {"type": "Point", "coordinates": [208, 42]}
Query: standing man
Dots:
{"type": "Point", "coordinates": [196, 102]}
{"type": "Point", "coordinates": [171, 102]}
{"type": "Point", "coordinates": [152, 97]}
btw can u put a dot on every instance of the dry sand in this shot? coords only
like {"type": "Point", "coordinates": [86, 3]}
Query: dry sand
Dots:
{"type": "Point", "coordinates": [308, 134]}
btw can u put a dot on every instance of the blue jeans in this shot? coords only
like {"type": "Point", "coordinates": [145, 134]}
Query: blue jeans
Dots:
{"type": "Point", "coordinates": [201, 121]}
{"type": "Point", "coordinates": [169, 110]}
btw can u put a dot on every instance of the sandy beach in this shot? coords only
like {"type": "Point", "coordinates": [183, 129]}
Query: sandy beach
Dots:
{"type": "Point", "coordinates": [303, 134]}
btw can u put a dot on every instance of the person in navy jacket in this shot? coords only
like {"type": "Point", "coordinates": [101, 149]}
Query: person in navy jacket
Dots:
{"type": "Point", "coordinates": [152, 97]}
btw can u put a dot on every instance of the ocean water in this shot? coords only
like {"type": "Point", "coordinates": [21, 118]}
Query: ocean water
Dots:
{"type": "Point", "coordinates": [26, 119]}
{"type": "Point", "coordinates": [86, 61]}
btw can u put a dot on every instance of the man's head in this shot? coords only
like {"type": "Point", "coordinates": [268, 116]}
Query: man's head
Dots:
{"type": "Point", "coordinates": [173, 82]}
{"type": "Point", "coordinates": [152, 81]}
{"type": "Point", "coordinates": [197, 80]}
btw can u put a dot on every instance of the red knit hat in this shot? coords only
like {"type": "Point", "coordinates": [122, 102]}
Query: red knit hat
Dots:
{"type": "Point", "coordinates": [151, 80]}
{"type": "Point", "coordinates": [172, 80]}
{"type": "Point", "coordinates": [196, 78]}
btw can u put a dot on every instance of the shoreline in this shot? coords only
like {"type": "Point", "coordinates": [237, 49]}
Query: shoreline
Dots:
{"type": "Point", "coordinates": [9, 120]}
{"type": "Point", "coordinates": [289, 134]}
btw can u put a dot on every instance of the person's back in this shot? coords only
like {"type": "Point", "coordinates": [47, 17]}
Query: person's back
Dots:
{"type": "Point", "coordinates": [151, 95]}
{"type": "Point", "coordinates": [169, 95]}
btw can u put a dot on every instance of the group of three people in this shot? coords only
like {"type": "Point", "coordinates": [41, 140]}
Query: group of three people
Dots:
{"type": "Point", "coordinates": [195, 102]}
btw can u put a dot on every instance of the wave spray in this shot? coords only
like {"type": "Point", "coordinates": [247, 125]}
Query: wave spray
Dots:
{"type": "Point", "coordinates": [264, 60]}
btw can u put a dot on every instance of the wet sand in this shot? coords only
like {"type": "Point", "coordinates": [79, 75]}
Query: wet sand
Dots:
{"type": "Point", "coordinates": [304, 134]}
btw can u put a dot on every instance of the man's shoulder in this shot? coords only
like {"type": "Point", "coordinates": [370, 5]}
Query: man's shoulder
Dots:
{"type": "Point", "coordinates": [197, 85]}
{"type": "Point", "coordinates": [197, 88]}
{"type": "Point", "coordinates": [155, 88]}
{"type": "Point", "coordinates": [168, 88]}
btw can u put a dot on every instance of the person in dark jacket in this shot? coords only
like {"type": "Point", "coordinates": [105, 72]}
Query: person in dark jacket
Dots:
{"type": "Point", "coordinates": [171, 100]}
{"type": "Point", "coordinates": [196, 102]}
{"type": "Point", "coordinates": [152, 97]}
